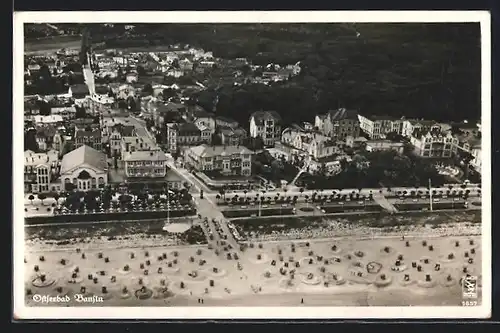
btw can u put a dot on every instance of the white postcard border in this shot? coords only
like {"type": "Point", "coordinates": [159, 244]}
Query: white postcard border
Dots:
{"type": "Point", "coordinates": [349, 312]}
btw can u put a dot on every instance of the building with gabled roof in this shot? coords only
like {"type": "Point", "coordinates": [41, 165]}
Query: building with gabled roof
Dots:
{"type": "Point", "coordinates": [339, 123]}
{"type": "Point", "coordinates": [79, 91]}
{"type": "Point", "coordinates": [267, 125]}
{"type": "Point", "coordinates": [90, 138]}
{"type": "Point", "coordinates": [228, 160]}
{"type": "Point", "coordinates": [84, 169]}
{"type": "Point", "coordinates": [434, 143]}
{"type": "Point", "coordinates": [40, 170]}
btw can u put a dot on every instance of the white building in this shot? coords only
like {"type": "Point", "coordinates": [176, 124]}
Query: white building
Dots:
{"type": "Point", "coordinates": [267, 125]}
{"type": "Point", "coordinates": [40, 170]}
{"type": "Point", "coordinates": [171, 137]}
{"type": "Point", "coordinates": [145, 164]}
{"type": "Point", "coordinates": [434, 143]}
{"type": "Point", "coordinates": [228, 160]}
{"type": "Point", "coordinates": [310, 142]}
{"type": "Point", "coordinates": [52, 119]}
{"type": "Point", "coordinates": [84, 169]}
{"type": "Point", "coordinates": [376, 127]}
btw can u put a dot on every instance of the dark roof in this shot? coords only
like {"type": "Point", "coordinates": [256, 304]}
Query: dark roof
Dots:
{"type": "Point", "coordinates": [199, 112]}
{"type": "Point", "coordinates": [187, 129]}
{"type": "Point", "coordinates": [81, 134]}
{"type": "Point", "coordinates": [172, 117]}
{"type": "Point", "coordinates": [46, 131]}
{"type": "Point", "coordinates": [83, 121]}
{"type": "Point", "coordinates": [79, 89]}
{"type": "Point", "coordinates": [419, 133]}
{"type": "Point", "coordinates": [125, 130]}
{"type": "Point", "coordinates": [260, 116]}
{"type": "Point", "coordinates": [239, 132]}
{"type": "Point", "coordinates": [100, 89]}
{"type": "Point", "coordinates": [171, 107]}
{"type": "Point", "coordinates": [224, 119]}
{"type": "Point", "coordinates": [343, 114]}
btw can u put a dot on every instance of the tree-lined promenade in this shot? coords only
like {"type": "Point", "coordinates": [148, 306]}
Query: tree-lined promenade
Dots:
{"type": "Point", "coordinates": [471, 190]}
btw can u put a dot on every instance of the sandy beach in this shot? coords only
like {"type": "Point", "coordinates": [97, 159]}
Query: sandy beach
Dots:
{"type": "Point", "coordinates": [416, 270]}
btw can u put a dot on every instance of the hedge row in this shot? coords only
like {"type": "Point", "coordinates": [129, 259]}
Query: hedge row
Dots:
{"type": "Point", "coordinates": [426, 206]}
{"type": "Point", "coordinates": [264, 212]}
{"type": "Point", "coordinates": [352, 208]}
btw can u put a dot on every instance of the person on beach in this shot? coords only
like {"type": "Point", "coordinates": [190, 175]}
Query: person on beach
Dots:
{"type": "Point", "coordinates": [301, 301]}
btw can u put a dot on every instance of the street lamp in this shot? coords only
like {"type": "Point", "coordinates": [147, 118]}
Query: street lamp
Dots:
{"type": "Point", "coordinates": [430, 195]}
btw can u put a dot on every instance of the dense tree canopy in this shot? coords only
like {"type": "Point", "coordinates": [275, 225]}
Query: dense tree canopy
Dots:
{"type": "Point", "coordinates": [427, 70]}
{"type": "Point", "coordinates": [375, 169]}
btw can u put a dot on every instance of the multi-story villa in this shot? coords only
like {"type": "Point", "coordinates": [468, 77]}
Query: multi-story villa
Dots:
{"type": "Point", "coordinates": [377, 127]}
{"type": "Point", "coordinates": [228, 160]}
{"type": "Point", "coordinates": [267, 125]}
{"type": "Point", "coordinates": [40, 170]}
{"type": "Point", "coordinates": [135, 143]}
{"type": "Point", "coordinates": [150, 164]}
{"type": "Point", "coordinates": [434, 143]}
{"type": "Point", "coordinates": [115, 138]}
{"type": "Point", "coordinates": [89, 138]}
{"type": "Point", "coordinates": [339, 123]}
{"type": "Point", "coordinates": [310, 143]}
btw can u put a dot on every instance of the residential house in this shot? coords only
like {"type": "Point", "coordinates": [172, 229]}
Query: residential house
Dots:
{"type": "Point", "coordinates": [205, 133]}
{"type": "Point", "coordinates": [476, 162]}
{"type": "Point", "coordinates": [58, 142]}
{"type": "Point", "coordinates": [82, 122]}
{"type": "Point", "coordinates": [84, 169]}
{"type": "Point", "coordinates": [377, 127]}
{"type": "Point", "coordinates": [227, 122]}
{"type": "Point", "coordinates": [356, 143]}
{"type": "Point", "coordinates": [188, 134]}
{"type": "Point", "coordinates": [470, 142]}
{"type": "Point", "coordinates": [339, 123]}
{"type": "Point", "coordinates": [33, 69]}
{"type": "Point", "coordinates": [145, 164]}
{"type": "Point", "coordinates": [40, 170]}
{"type": "Point", "coordinates": [232, 136]}
{"type": "Point", "coordinates": [115, 138]}
{"type": "Point", "coordinates": [165, 113]}
{"type": "Point", "coordinates": [171, 137]}
{"type": "Point", "coordinates": [310, 143]}
{"type": "Point", "coordinates": [45, 137]}
{"type": "Point", "coordinates": [135, 143]}
{"type": "Point", "coordinates": [92, 138]}
{"type": "Point", "coordinates": [402, 127]}
{"type": "Point", "coordinates": [425, 125]}
{"type": "Point", "coordinates": [185, 65]}
{"type": "Point", "coordinates": [78, 91]}
{"type": "Point", "coordinates": [131, 77]}
{"type": "Point", "coordinates": [48, 120]}
{"type": "Point", "coordinates": [434, 143]}
{"type": "Point", "coordinates": [206, 119]}
{"type": "Point", "coordinates": [174, 72]}
{"type": "Point", "coordinates": [267, 125]}
{"type": "Point", "coordinates": [228, 160]}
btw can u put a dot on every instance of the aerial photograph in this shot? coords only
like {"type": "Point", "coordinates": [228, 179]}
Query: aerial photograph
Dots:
{"type": "Point", "coordinates": [252, 164]}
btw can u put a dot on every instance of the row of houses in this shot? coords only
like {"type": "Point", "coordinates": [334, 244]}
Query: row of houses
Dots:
{"type": "Point", "coordinates": [337, 129]}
